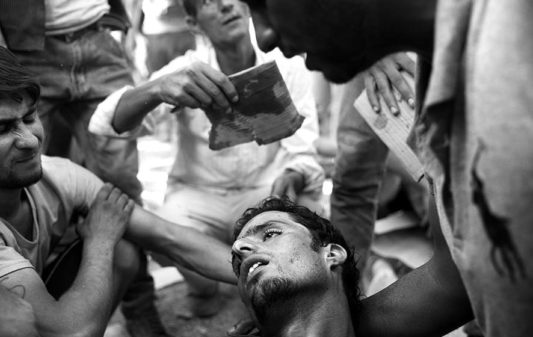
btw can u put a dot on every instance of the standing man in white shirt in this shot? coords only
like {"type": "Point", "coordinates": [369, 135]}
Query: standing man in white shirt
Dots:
{"type": "Point", "coordinates": [210, 189]}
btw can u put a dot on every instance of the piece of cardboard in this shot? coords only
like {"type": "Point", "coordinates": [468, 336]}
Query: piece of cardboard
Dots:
{"type": "Point", "coordinates": [265, 112]}
{"type": "Point", "coordinates": [393, 131]}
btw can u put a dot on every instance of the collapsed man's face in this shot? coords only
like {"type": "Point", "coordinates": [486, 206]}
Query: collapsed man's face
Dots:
{"type": "Point", "coordinates": [275, 261]}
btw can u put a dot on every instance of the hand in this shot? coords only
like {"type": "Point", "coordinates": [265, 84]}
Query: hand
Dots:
{"type": "Point", "coordinates": [197, 86]}
{"type": "Point", "coordinates": [243, 328]}
{"type": "Point", "coordinates": [384, 76]}
{"type": "Point", "coordinates": [17, 318]}
{"type": "Point", "coordinates": [289, 183]}
{"type": "Point", "coordinates": [108, 216]}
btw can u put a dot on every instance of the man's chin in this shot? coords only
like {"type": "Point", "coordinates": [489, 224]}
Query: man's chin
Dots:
{"type": "Point", "coordinates": [270, 292]}
{"type": "Point", "coordinates": [338, 77]}
{"type": "Point", "coordinates": [22, 182]}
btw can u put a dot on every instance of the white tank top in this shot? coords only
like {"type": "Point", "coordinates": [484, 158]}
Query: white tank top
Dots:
{"type": "Point", "coordinates": [66, 16]}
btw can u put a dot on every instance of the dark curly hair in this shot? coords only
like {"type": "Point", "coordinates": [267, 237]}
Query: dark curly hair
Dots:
{"type": "Point", "coordinates": [323, 233]}
{"type": "Point", "coordinates": [15, 78]}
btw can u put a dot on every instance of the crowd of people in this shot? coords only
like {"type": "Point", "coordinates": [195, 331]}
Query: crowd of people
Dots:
{"type": "Point", "coordinates": [74, 235]}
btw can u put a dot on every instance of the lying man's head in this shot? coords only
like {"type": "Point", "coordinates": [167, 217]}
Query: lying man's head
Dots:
{"type": "Point", "coordinates": [285, 257]}
{"type": "Point", "coordinates": [21, 132]}
{"type": "Point", "coordinates": [224, 22]}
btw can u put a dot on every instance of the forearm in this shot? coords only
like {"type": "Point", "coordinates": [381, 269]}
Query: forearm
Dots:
{"type": "Point", "coordinates": [134, 105]}
{"type": "Point", "coordinates": [419, 304]}
{"type": "Point", "coordinates": [183, 245]}
{"type": "Point", "coordinates": [429, 301]}
{"type": "Point", "coordinates": [85, 308]}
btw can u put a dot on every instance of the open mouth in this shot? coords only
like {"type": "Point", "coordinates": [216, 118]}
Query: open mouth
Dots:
{"type": "Point", "coordinates": [254, 267]}
{"type": "Point", "coordinates": [251, 268]}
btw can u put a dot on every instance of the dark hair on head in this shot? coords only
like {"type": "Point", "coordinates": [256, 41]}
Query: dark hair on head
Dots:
{"type": "Point", "coordinates": [15, 78]}
{"type": "Point", "coordinates": [190, 7]}
{"type": "Point", "coordinates": [323, 233]}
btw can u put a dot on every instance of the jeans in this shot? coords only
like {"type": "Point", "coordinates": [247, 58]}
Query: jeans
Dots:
{"type": "Point", "coordinates": [76, 73]}
{"type": "Point", "coordinates": [359, 170]}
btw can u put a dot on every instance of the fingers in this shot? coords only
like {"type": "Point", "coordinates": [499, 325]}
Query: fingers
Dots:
{"type": "Point", "coordinates": [110, 193]}
{"type": "Point", "coordinates": [385, 78]}
{"type": "Point", "coordinates": [279, 188]}
{"type": "Point", "coordinates": [289, 183]}
{"type": "Point", "coordinates": [398, 81]}
{"type": "Point", "coordinates": [104, 192]}
{"type": "Point", "coordinates": [291, 193]}
{"type": "Point", "coordinates": [385, 90]}
{"type": "Point", "coordinates": [406, 63]}
{"type": "Point", "coordinates": [224, 85]}
{"type": "Point", "coordinates": [371, 92]}
{"type": "Point", "coordinates": [199, 86]}
{"type": "Point", "coordinates": [129, 207]}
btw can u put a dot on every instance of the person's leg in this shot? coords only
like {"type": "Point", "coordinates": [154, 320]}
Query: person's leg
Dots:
{"type": "Point", "coordinates": [113, 160]}
{"type": "Point", "coordinates": [206, 212]}
{"type": "Point", "coordinates": [135, 288]}
{"type": "Point", "coordinates": [100, 68]}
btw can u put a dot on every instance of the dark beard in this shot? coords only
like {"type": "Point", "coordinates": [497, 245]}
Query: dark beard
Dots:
{"type": "Point", "coordinates": [272, 292]}
{"type": "Point", "coordinates": [21, 182]}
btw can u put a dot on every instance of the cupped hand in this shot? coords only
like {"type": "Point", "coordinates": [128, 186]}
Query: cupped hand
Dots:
{"type": "Point", "coordinates": [197, 86]}
{"type": "Point", "coordinates": [108, 216]}
{"type": "Point", "coordinates": [289, 183]}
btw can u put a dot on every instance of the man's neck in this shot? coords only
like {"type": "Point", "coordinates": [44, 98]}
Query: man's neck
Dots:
{"type": "Point", "coordinates": [236, 57]}
{"type": "Point", "coordinates": [10, 202]}
{"type": "Point", "coordinates": [310, 316]}
{"type": "Point", "coordinates": [15, 209]}
{"type": "Point", "coordinates": [409, 26]}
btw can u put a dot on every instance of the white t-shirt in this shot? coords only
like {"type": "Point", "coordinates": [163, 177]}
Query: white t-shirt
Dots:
{"type": "Point", "coordinates": [64, 189]}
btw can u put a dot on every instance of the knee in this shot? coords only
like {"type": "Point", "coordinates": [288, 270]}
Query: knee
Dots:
{"type": "Point", "coordinates": [128, 259]}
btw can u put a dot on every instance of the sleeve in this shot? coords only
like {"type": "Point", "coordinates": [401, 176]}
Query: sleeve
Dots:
{"type": "Point", "coordinates": [359, 169]}
{"type": "Point", "coordinates": [300, 146]}
{"type": "Point", "coordinates": [101, 121]}
{"type": "Point", "coordinates": [10, 259]}
{"type": "Point", "coordinates": [76, 185]}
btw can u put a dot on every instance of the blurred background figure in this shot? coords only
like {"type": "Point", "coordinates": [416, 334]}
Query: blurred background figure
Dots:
{"type": "Point", "coordinates": [164, 26]}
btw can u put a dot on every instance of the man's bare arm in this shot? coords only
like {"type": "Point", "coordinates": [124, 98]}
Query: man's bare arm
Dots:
{"type": "Point", "coordinates": [16, 315]}
{"type": "Point", "coordinates": [196, 86]}
{"type": "Point", "coordinates": [183, 245]}
{"type": "Point", "coordinates": [85, 308]}
{"type": "Point", "coordinates": [429, 301]}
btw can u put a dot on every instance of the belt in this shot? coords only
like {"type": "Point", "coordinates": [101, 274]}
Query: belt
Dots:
{"type": "Point", "coordinates": [75, 35]}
